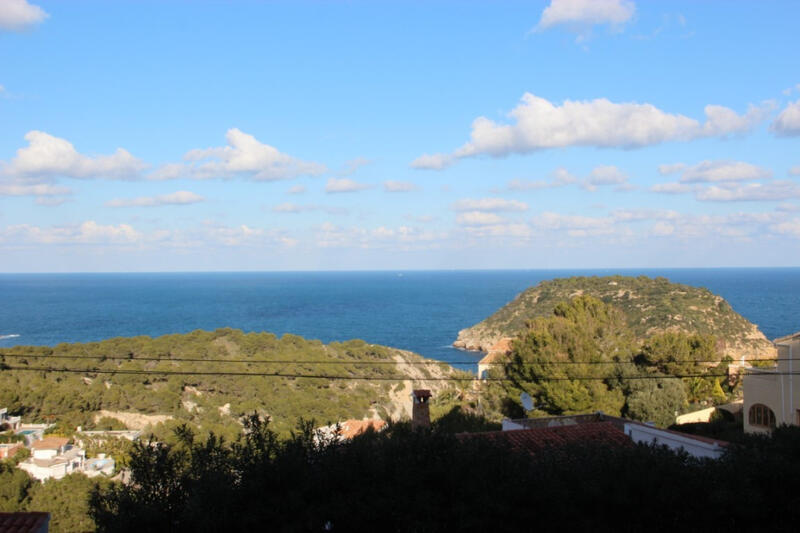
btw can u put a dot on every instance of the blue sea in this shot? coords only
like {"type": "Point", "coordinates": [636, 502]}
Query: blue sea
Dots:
{"type": "Point", "coordinates": [420, 311]}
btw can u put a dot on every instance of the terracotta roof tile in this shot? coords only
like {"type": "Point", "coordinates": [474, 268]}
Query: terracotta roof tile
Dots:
{"type": "Point", "coordinates": [352, 428]}
{"type": "Point", "coordinates": [50, 443]}
{"type": "Point", "coordinates": [534, 440]}
{"type": "Point", "coordinates": [23, 522]}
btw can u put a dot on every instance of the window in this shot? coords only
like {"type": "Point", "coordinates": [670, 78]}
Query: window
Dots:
{"type": "Point", "coordinates": [761, 415]}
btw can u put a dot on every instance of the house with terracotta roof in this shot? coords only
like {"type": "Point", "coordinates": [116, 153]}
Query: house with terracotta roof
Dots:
{"type": "Point", "coordinates": [496, 354]}
{"type": "Point", "coordinates": [769, 397]}
{"type": "Point", "coordinates": [10, 450]}
{"type": "Point", "coordinates": [630, 430]}
{"type": "Point", "coordinates": [344, 431]}
{"type": "Point", "coordinates": [53, 457]}
{"type": "Point", "coordinates": [30, 522]}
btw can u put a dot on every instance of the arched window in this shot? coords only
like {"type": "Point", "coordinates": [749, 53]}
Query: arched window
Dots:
{"type": "Point", "coordinates": [761, 415]}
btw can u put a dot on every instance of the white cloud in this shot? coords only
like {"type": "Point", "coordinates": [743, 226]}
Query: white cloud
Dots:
{"type": "Point", "coordinates": [672, 188]}
{"type": "Point", "coordinates": [556, 221]}
{"type": "Point", "coordinates": [634, 215]}
{"type": "Point", "coordinates": [47, 157]}
{"type": "Point", "coordinates": [399, 186]}
{"type": "Point", "coordinates": [19, 15]}
{"type": "Point", "coordinates": [289, 207]}
{"type": "Point", "coordinates": [750, 192]}
{"type": "Point", "coordinates": [433, 161]}
{"type": "Point", "coordinates": [538, 124]}
{"type": "Point", "coordinates": [336, 185]}
{"type": "Point", "coordinates": [175, 198]}
{"type": "Point", "coordinates": [663, 229]}
{"type": "Point", "coordinates": [605, 175]}
{"type": "Point", "coordinates": [297, 189]}
{"type": "Point", "coordinates": [479, 218]}
{"type": "Point", "coordinates": [350, 167]}
{"type": "Point", "coordinates": [89, 232]}
{"type": "Point", "coordinates": [583, 13]}
{"type": "Point", "coordinates": [245, 156]}
{"type": "Point", "coordinates": [40, 189]}
{"type": "Point", "coordinates": [559, 178]}
{"type": "Point", "coordinates": [489, 204]}
{"type": "Point", "coordinates": [787, 124]}
{"type": "Point", "coordinates": [789, 227]}
{"type": "Point", "coordinates": [716, 171]}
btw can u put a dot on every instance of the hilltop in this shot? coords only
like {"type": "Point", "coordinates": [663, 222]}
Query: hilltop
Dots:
{"type": "Point", "coordinates": [204, 399]}
{"type": "Point", "coordinates": [650, 306]}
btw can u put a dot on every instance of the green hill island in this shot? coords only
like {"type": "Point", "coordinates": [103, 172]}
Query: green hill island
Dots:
{"type": "Point", "coordinates": [649, 305]}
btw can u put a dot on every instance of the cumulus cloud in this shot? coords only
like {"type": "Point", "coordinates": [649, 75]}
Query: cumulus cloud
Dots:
{"type": "Point", "coordinates": [175, 198]}
{"type": "Point", "coordinates": [789, 227]}
{"type": "Point", "coordinates": [672, 188]}
{"type": "Point", "coordinates": [89, 232]}
{"type": "Point", "coordinates": [399, 186]}
{"type": "Point", "coordinates": [289, 207]}
{"type": "Point", "coordinates": [572, 223]}
{"type": "Point", "coordinates": [559, 178]}
{"type": "Point", "coordinates": [489, 204]}
{"type": "Point", "coordinates": [433, 161]}
{"type": "Point", "coordinates": [48, 157]}
{"type": "Point", "coordinates": [605, 175]}
{"type": "Point", "coordinates": [351, 167]}
{"type": "Point", "coordinates": [329, 235]}
{"type": "Point", "coordinates": [716, 171]}
{"type": "Point", "coordinates": [750, 192]}
{"type": "Point", "coordinates": [336, 185]}
{"type": "Point", "coordinates": [19, 15]}
{"type": "Point", "coordinates": [40, 189]}
{"type": "Point", "coordinates": [787, 124]}
{"type": "Point", "coordinates": [580, 14]}
{"type": "Point", "coordinates": [538, 124]}
{"type": "Point", "coordinates": [479, 218]}
{"type": "Point", "coordinates": [244, 156]}
{"type": "Point", "coordinates": [297, 189]}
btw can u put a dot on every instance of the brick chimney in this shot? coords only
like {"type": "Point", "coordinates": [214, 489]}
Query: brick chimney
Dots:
{"type": "Point", "coordinates": [420, 414]}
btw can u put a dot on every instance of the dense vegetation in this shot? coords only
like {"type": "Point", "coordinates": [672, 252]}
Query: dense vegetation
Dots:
{"type": "Point", "coordinates": [402, 480]}
{"type": "Point", "coordinates": [585, 357]}
{"type": "Point", "coordinates": [209, 401]}
{"type": "Point", "coordinates": [649, 306]}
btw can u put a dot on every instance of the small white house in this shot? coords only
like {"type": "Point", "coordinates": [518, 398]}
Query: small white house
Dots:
{"type": "Point", "coordinates": [53, 457]}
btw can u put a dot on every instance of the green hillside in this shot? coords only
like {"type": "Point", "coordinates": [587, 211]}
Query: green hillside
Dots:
{"type": "Point", "coordinates": [650, 305]}
{"type": "Point", "coordinates": [213, 402]}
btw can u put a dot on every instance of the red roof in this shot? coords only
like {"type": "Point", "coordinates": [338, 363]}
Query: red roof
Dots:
{"type": "Point", "coordinates": [24, 522]}
{"type": "Point", "coordinates": [50, 443]}
{"type": "Point", "coordinates": [352, 428]}
{"type": "Point", "coordinates": [534, 440]}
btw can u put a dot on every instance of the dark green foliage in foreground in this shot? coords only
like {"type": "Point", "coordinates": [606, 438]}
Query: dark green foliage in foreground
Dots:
{"type": "Point", "coordinates": [402, 480]}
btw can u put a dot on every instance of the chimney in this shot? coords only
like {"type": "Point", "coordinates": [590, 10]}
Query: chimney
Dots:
{"type": "Point", "coordinates": [420, 414]}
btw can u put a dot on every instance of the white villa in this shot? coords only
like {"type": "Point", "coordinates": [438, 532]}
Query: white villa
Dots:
{"type": "Point", "coordinates": [53, 457]}
{"type": "Point", "coordinates": [769, 397]}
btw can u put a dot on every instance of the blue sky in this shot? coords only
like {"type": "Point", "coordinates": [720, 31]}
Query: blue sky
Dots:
{"type": "Point", "coordinates": [160, 136]}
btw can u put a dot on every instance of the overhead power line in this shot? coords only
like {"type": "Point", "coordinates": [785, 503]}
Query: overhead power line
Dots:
{"type": "Point", "coordinates": [359, 362]}
{"type": "Point", "coordinates": [50, 369]}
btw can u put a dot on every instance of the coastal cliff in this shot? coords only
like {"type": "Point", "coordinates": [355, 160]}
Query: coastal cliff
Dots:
{"type": "Point", "coordinates": [650, 306]}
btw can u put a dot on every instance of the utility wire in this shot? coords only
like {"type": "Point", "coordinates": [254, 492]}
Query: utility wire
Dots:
{"type": "Point", "coordinates": [340, 362]}
{"type": "Point", "coordinates": [361, 378]}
